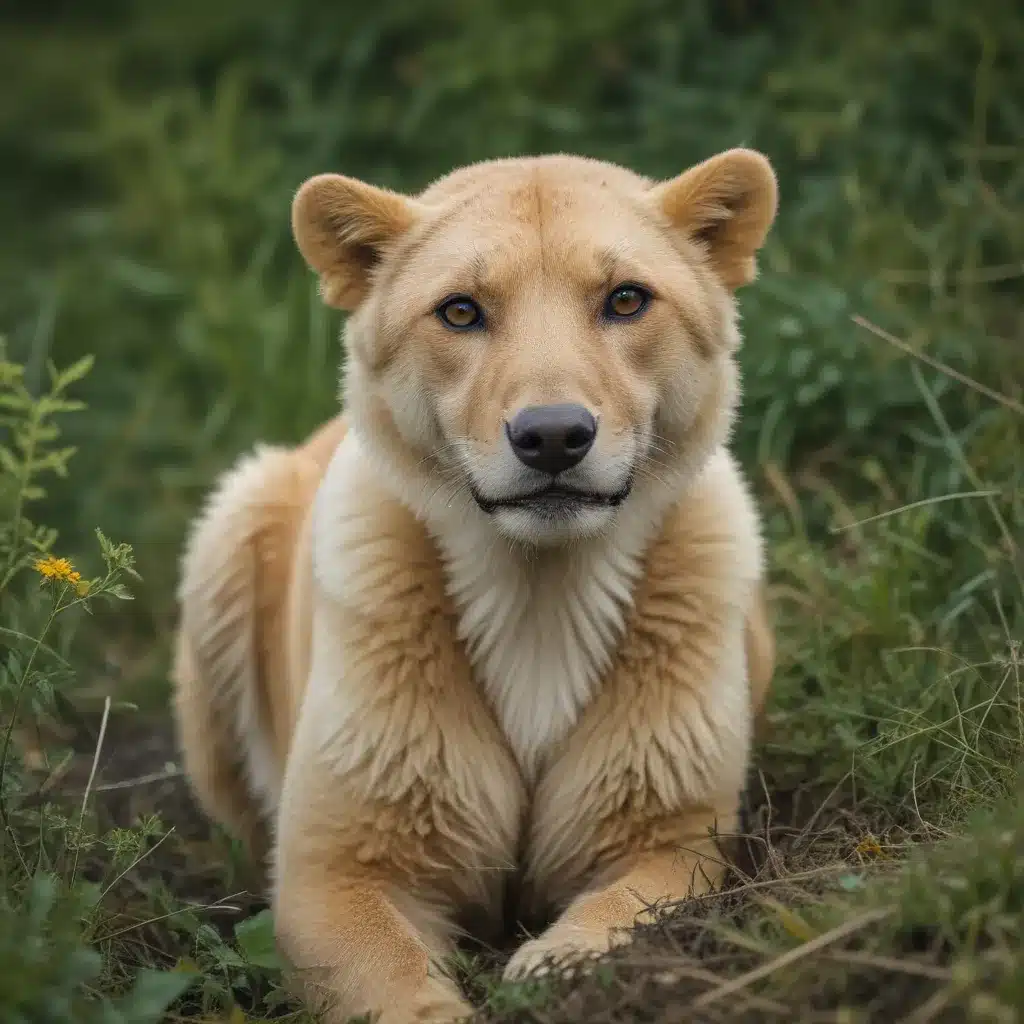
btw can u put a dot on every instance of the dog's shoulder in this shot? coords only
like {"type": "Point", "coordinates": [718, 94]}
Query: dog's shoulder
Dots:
{"type": "Point", "coordinates": [369, 550]}
{"type": "Point", "coordinates": [711, 535]}
{"type": "Point", "coordinates": [710, 549]}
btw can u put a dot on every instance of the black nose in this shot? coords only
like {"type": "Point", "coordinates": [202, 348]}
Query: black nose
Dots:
{"type": "Point", "coordinates": [551, 438]}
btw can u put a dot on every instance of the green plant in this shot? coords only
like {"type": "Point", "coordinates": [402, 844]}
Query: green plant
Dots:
{"type": "Point", "coordinates": [49, 914]}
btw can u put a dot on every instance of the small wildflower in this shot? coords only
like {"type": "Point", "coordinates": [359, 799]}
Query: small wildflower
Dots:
{"type": "Point", "coordinates": [869, 847]}
{"type": "Point", "coordinates": [60, 569]}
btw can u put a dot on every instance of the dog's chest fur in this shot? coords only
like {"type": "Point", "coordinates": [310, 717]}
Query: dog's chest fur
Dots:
{"type": "Point", "coordinates": [541, 632]}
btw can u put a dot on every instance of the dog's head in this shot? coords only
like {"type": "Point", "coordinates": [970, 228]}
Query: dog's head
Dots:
{"type": "Point", "coordinates": [546, 339]}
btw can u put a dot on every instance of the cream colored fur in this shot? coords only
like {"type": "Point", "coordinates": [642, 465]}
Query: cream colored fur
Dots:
{"type": "Point", "coordinates": [407, 683]}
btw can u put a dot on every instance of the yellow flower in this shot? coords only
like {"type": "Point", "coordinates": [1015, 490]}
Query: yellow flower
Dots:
{"type": "Point", "coordinates": [61, 569]}
{"type": "Point", "coordinates": [869, 847]}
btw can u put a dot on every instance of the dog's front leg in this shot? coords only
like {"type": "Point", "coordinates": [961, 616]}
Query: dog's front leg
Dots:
{"type": "Point", "coordinates": [401, 803]}
{"type": "Point", "coordinates": [376, 857]}
{"type": "Point", "coordinates": [626, 815]}
{"type": "Point", "coordinates": [361, 945]}
{"type": "Point", "coordinates": [627, 895]}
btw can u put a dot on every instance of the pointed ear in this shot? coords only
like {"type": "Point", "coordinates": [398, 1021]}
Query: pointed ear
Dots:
{"type": "Point", "coordinates": [341, 226]}
{"type": "Point", "coordinates": [726, 204]}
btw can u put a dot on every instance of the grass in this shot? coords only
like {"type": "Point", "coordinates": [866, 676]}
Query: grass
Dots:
{"type": "Point", "coordinates": [149, 156]}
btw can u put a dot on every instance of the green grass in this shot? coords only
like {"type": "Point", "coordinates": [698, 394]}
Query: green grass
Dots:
{"type": "Point", "coordinates": [149, 155]}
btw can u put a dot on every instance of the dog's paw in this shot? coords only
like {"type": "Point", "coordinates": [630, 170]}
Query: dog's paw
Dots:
{"type": "Point", "coordinates": [559, 950]}
{"type": "Point", "coordinates": [437, 1002]}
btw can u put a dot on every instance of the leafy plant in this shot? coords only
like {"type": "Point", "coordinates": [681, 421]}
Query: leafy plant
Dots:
{"type": "Point", "coordinates": [49, 969]}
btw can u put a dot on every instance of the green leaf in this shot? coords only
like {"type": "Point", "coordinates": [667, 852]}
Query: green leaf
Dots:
{"type": "Point", "coordinates": [15, 402]}
{"type": "Point", "coordinates": [255, 938]}
{"type": "Point", "coordinates": [151, 994]}
{"type": "Point", "coordinates": [74, 372]}
{"type": "Point", "coordinates": [8, 461]}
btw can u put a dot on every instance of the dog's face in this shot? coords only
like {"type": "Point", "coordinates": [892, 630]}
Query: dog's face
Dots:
{"type": "Point", "coordinates": [544, 338]}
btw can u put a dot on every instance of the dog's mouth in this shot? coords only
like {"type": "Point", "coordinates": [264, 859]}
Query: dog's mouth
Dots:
{"type": "Point", "coordinates": [555, 500]}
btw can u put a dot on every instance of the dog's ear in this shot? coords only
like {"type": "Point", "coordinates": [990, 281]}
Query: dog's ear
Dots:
{"type": "Point", "coordinates": [342, 226]}
{"type": "Point", "coordinates": [726, 204]}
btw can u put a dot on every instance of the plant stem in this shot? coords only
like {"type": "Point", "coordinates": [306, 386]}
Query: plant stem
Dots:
{"type": "Point", "coordinates": [22, 686]}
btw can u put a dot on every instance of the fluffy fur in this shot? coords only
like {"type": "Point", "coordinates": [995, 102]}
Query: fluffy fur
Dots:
{"type": "Point", "coordinates": [410, 678]}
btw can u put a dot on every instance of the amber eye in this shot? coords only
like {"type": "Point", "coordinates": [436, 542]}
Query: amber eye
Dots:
{"type": "Point", "coordinates": [460, 312]}
{"type": "Point", "coordinates": [627, 300]}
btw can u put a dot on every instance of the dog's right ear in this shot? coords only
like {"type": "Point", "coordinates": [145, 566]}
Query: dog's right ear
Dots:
{"type": "Point", "coordinates": [342, 226]}
{"type": "Point", "coordinates": [726, 204]}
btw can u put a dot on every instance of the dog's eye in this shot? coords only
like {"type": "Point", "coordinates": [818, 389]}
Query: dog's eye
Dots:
{"type": "Point", "coordinates": [460, 312]}
{"type": "Point", "coordinates": [627, 300]}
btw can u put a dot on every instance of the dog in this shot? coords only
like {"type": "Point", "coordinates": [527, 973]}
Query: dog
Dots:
{"type": "Point", "coordinates": [504, 617]}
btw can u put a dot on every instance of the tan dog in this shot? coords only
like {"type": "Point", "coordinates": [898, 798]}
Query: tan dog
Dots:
{"type": "Point", "coordinates": [506, 617]}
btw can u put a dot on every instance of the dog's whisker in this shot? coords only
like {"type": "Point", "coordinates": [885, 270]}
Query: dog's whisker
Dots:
{"type": "Point", "coordinates": [647, 459]}
{"type": "Point", "coordinates": [458, 490]}
{"type": "Point", "coordinates": [660, 445]}
{"type": "Point", "coordinates": [444, 482]}
{"type": "Point", "coordinates": [654, 462]}
{"type": "Point", "coordinates": [437, 451]}
{"type": "Point", "coordinates": [647, 473]}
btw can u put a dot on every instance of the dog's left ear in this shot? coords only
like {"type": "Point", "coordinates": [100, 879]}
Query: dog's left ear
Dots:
{"type": "Point", "coordinates": [726, 204]}
{"type": "Point", "coordinates": [343, 227]}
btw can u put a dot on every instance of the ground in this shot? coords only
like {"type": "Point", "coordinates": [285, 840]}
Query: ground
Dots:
{"type": "Point", "coordinates": [150, 155]}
